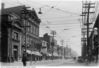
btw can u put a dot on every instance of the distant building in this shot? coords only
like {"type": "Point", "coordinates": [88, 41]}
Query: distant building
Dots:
{"type": "Point", "coordinates": [56, 50]}
{"type": "Point", "coordinates": [13, 33]}
{"type": "Point", "coordinates": [48, 39]}
{"type": "Point", "coordinates": [68, 53]}
{"type": "Point", "coordinates": [50, 46]}
{"type": "Point", "coordinates": [44, 48]}
{"type": "Point", "coordinates": [44, 45]}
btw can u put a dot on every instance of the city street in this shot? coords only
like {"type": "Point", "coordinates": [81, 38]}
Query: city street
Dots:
{"type": "Point", "coordinates": [58, 62]}
{"type": "Point", "coordinates": [49, 33]}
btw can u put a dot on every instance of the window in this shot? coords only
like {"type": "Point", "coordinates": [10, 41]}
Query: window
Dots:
{"type": "Point", "coordinates": [38, 31]}
{"type": "Point", "coordinates": [31, 41]}
{"type": "Point", "coordinates": [24, 22]}
{"type": "Point", "coordinates": [27, 40]}
{"type": "Point", "coordinates": [34, 29]}
{"type": "Point", "coordinates": [28, 25]}
{"type": "Point", "coordinates": [23, 40]}
{"type": "Point", "coordinates": [15, 36]}
{"type": "Point", "coordinates": [31, 28]}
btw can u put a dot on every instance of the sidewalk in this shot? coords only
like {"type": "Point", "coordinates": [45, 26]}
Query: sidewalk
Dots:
{"type": "Point", "coordinates": [30, 63]}
{"type": "Point", "coordinates": [58, 62]}
{"type": "Point", "coordinates": [90, 64]}
{"type": "Point", "coordinates": [94, 64]}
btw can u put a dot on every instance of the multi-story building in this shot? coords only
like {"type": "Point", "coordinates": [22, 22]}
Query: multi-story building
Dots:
{"type": "Point", "coordinates": [50, 46]}
{"type": "Point", "coordinates": [93, 33]}
{"type": "Point", "coordinates": [18, 31]}
{"type": "Point", "coordinates": [44, 48]}
{"type": "Point", "coordinates": [48, 39]}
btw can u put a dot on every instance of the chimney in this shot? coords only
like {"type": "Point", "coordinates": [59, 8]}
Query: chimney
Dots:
{"type": "Point", "coordinates": [2, 6]}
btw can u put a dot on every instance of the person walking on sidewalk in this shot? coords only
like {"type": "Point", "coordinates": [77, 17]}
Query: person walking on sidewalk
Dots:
{"type": "Point", "coordinates": [96, 44]}
{"type": "Point", "coordinates": [24, 59]}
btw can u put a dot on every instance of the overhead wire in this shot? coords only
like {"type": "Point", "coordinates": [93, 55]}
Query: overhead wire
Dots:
{"type": "Point", "coordinates": [53, 24]}
{"type": "Point", "coordinates": [44, 5]}
{"type": "Point", "coordinates": [60, 9]}
{"type": "Point", "coordinates": [66, 17]}
{"type": "Point", "coordinates": [63, 20]}
{"type": "Point", "coordinates": [19, 2]}
{"type": "Point", "coordinates": [23, 4]}
{"type": "Point", "coordinates": [59, 25]}
{"type": "Point", "coordinates": [55, 30]}
{"type": "Point", "coordinates": [64, 24]}
{"type": "Point", "coordinates": [9, 3]}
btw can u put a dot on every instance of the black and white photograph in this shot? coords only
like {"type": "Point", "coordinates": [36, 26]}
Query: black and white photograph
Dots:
{"type": "Point", "coordinates": [49, 33]}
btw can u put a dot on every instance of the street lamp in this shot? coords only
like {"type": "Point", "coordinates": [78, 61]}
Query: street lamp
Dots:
{"type": "Point", "coordinates": [40, 12]}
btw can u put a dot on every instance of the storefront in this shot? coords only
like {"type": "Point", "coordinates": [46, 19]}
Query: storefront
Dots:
{"type": "Point", "coordinates": [34, 55]}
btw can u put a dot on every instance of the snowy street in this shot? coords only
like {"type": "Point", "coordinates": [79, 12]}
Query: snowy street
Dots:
{"type": "Point", "coordinates": [58, 62]}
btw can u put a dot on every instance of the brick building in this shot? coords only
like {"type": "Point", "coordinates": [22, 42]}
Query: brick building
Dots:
{"type": "Point", "coordinates": [15, 34]}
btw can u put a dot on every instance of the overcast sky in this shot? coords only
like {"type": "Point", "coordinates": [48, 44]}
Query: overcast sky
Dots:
{"type": "Point", "coordinates": [57, 15]}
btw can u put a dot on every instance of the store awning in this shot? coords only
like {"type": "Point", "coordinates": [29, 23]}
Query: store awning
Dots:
{"type": "Point", "coordinates": [34, 52]}
{"type": "Point", "coordinates": [37, 53]}
{"type": "Point", "coordinates": [55, 54]}
{"type": "Point", "coordinates": [49, 54]}
{"type": "Point", "coordinates": [29, 52]}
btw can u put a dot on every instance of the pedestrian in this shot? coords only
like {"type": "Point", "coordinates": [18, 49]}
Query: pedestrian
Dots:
{"type": "Point", "coordinates": [96, 54]}
{"type": "Point", "coordinates": [96, 43]}
{"type": "Point", "coordinates": [24, 59]}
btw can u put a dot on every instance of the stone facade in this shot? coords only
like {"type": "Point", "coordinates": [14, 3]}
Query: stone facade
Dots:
{"type": "Point", "coordinates": [15, 33]}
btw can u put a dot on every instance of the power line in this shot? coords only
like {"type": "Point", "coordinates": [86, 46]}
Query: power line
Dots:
{"type": "Point", "coordinates": [66, 17]}
{"type": "Point", "coordinates": [65, 24]}
{"type": "Point", "coordinates": [19, 2]}
{"type": "Point", "coordinates": [59, 9]}
{"type": "Point", "coordinates": [68, 29]}
{"type": "Point", "coordinates": [8, 3]}
{"type": "Point", "coordinates": [67, 11]}
{"type": "Point", "coordinates": [61, 19]}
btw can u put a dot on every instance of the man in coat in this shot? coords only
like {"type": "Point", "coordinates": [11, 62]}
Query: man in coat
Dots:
{"type": "Point", "coordinates": [24, 58]}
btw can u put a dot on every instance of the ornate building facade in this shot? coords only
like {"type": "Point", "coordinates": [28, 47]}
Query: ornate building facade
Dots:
{"type": "Point", "coordinates": [15, 35]}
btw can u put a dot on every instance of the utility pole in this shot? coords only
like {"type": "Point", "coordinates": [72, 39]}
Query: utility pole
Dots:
{"type": "Point", "coordinates": [83, 32]}
{"type": "Point", "coordinates": [53, 33]}
{"type": "Point", "coordinates": [24, 18]}
{"type": "Point", "coordinates": [88, 6]}
{"type": "Point", "coordinates": [62, 42]}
